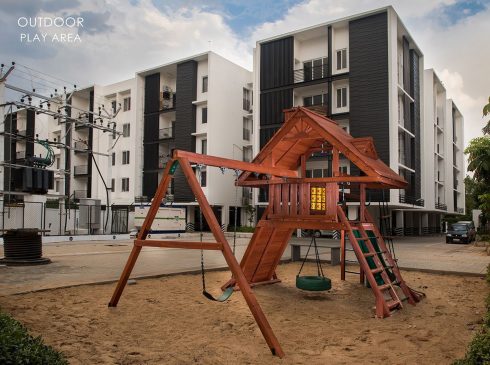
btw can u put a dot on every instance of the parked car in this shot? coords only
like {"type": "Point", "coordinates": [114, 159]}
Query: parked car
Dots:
{"type": "Point", "coordinates": [472, 229]}
{"type": "Point", "coordinates": [461, 232]}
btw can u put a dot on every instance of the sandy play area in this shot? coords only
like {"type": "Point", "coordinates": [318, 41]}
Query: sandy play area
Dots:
{"type": "Point", "coordinates": [167, 321]}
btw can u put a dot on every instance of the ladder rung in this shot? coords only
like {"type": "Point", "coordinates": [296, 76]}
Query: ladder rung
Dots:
{"type": "Point", "coordinates": [352, 272]}
{"type": "Point", "coordinates": [366, 238]}
{"type": "Point", "coordinates": [371, 254]}
{"type": "Point", "coordinates": [349, 249]}
{"type": "Point", "coordinates": [352, 261]}
{"type": "Point", "coordinates": [393, 303]}
{"type": "Point", "coordinates": [384, 286]}
{"type": "Point", "coordinates": [377, 270]}
{"type": "Point", "coordinates": [386, 216]}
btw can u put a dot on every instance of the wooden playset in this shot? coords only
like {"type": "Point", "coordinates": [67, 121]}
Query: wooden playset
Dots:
{"type": "Point", "coordinates": [294, 201]}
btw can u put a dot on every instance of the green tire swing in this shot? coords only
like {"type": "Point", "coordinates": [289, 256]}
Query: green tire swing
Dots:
{"type": "Point", "coordinates": [311, 282]}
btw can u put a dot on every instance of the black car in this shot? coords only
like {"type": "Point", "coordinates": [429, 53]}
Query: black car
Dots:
{"type": "Point", "coordinates": [460, 232]}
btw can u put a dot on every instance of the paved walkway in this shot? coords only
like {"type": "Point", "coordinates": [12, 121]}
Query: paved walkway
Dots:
{"type": "Point", "coordinates": [76, 263]}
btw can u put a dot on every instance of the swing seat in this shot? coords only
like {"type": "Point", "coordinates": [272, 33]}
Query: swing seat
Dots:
{"type": "Point", "coordinates": [313, 283]}
{"type": "Point", "coordinates": [223, 297]}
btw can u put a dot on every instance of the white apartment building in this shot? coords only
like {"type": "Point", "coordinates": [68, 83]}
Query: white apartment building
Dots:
{"type": "Point", "coordinates": [367, 73]}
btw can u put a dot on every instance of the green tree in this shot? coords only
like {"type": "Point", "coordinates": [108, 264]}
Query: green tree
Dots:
{"type": "Point", "coordinates": [486, 111]}
{"type": "Point", "coordinates": [478, 152]}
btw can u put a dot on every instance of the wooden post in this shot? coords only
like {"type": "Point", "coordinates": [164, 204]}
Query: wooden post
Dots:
{"type": "Point", "coordinates": [342, 254]}
{"type": "Point", "coordinates": [159, 195]}
{"type": "Point", "coordinates": [362, 202]}
{"type": "Point", "coordinates": [335, 162]}
{"type": "Point", "coordinates": [235, 268]}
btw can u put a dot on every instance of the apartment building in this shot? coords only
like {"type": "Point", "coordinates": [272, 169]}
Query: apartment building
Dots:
{"type": "Point", "coordinates": [367, 73]}
{"type": "Point", "coordinates": [200, 104]}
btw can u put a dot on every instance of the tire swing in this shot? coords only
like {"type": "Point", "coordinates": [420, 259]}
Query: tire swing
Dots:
{"type": "Point", "coordinates": [311, 282]}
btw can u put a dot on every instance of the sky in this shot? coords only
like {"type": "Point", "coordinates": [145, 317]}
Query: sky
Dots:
{"type": "Point", "coordinates": [121, 37]}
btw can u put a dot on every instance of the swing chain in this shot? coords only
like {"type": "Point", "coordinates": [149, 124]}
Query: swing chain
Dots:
{"type": "Point", "coordinates": [317, 258]}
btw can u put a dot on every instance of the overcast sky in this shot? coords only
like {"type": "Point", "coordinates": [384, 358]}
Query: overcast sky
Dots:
{"type": "Point", "coordinates": [120, 37]}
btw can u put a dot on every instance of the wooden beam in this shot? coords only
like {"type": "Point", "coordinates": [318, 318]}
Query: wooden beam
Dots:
{"type": "Point", "coordinates": [128, 268]}
{"type": "Point", "coordinates": [336, 163]}
{"type": "Point", "coordinates": [304, 224]}
{"type": "Point", "coordinates": [337, 179]}
{"type": "Point", "coordinates": [233, 264]}
{"type": "Point", "coordinates": [233, 164]}
{"type": "Point", "coordinates": [195, 245]}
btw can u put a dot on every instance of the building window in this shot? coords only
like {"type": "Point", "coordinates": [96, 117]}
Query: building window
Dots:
{"type": "Point", "coordinates": [321, 99]}
{"type": "Point", "coordinates": [57, 186]}
{"type": "Point", "coordinates": [125, 184]}
{"type": "Point", "coordinates": [247, 128]}
{"type": "Point", "coordinates": [247, 99]}
{"type": "Point", "coordinates": [204, 115]}
{"type": "Point", "coordinates": [204, 146]}
{"type": "Point", "coordinates": [125, 158]}
{"type": "Point", "coordinates": [57, 163]}
{"type": "Point", "coordinates": [247, 154]}
{"type": "Point", "coordinates": [205, 84]}
{"type": "Point", "coordinates": [315, 69]}
{"type": "Point", "coordinates": [127, 104]}
{"type": "Point", "coordinates": [341, 59]}
{"type": "Point", "coordinates": [203, 178]}
{"type": "Point", "coordinates": [113, 106]}
{"type": "Point", "coordinates": [342, 97]}
{"type": "Point", "coordinates": [113, 158]}
{"type": "Point", "coordinates": [126, 130]}
{"type": "Point", "coordinates": [113, 185]}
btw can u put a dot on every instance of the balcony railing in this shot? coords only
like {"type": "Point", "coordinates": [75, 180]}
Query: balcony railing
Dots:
{"type": "Point", "coordinates": [166, 133]}
{"type": "Point", "coordinates": [318, 108]}
{"type": "Point", "coordinates": [407, 199]}
{"type": "Point", "coordinates": [168, 100]}
{"type": "Point", "coordinates": [80, 147]}
{"type": "Point", "coordinates": [246, 134]}
{"type": "Point", "coordinates": [80, 170]}
{"type": "Point", "coordinates": [310, 73]}
{"type": "Point", "coordinates": [20, 155]}
{"type": "Point", "coordinates": [247, 104]}
{"type": "Point", "coordinates": [441, 206]}
{"type": "Point", "coordinates": [77, 194]}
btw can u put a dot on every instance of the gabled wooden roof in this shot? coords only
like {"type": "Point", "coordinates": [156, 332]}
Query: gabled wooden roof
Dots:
{"type": "Point", "coordinates": [304, 132]}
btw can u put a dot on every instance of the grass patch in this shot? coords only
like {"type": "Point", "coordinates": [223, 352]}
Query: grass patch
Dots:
{"type": "Point", "coordinates": [478, 351]}
{"type": "Point", "coordinates": [18, 347]}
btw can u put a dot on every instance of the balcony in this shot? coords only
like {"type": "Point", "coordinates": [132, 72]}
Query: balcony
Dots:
{"type": "Point", "coordinates": [441, 206]}
{"type": "Point", "coordinates": [318, 108]}
{"type": "Point", "coordinates": [80, 170]}
{"type": "Point", "coordinates": [79, 194]}
{"type": "Point", "coordinates": [80, 147]}
{"type": "Point", "coordinates": [162, 161]}
{"type": "Point", "coordinates": [246, 134]}
{"type": "Point", "coordinates": [310, 73]}
{"type": "Point", "coordinates": [168, 100]}
{"type": "Point", "coordinates": [166, 133]}
{"type": "Point", "coordinates": [20, 155]}
{"type": "Point", "coordinates": [407, 199]}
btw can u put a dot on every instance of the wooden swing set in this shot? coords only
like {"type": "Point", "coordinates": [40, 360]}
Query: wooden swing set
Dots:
{"type": "Point", "coordinates": [294, 202]}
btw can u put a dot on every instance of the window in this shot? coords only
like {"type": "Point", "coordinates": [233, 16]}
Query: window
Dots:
{"type": "Point", "coordinates": [125, 158]}
{"type": "Point", "coordinates": [57, 162]}
{"type": "Point", "coordinates": [247, 154]}
{"type": "Point", "coordinates": [342, 97]}
{"type": "Point", "coordinates": [247, 99]}
{"type": "Point", "coordinates": [57, 186]}
{"type": "Point", "coordinates": [343, 170]}
{"type": "Point", "coordinates": [127, 104]}
{"type": "Point", "coordinates": [247, 128]}
{"type": "Point", "coordinates": [321, 99]}
{"type": "Point", "coordinates": [126, 130]}
{"type": "Point", "coordinates": [113, 106]}
{"type": "Point", "coordinates": [125, 184]}
{"type": "Point", "coordinates": [205, 84]}
{"type": "Point", "coordinates": [315, 69]}
{"type": "Point", "coordinates": [113, 185]}
{"type": "Point", "coordinates": [341, 59]}
{"type": "Point", "coordinates": [203, 177]}
{"type": "Point", "coordinates": [204, 115]}
{"type": "Point", "coordinates": [113, 158]}
{"type": "Point", "coordinates": [204, 146]}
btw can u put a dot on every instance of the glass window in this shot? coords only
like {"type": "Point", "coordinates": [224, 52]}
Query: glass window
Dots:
{"type": "Point", "coordinates": [126, 129]}
{"type": "Point", "coordinates": [205, 84]}
{"type": "Point", "coordinates": [342, 97]}
{"type": "Point", "coordinates": [113, 158]}
{"type": "Point", "coordinates": [204, 115]}
{"type": "Point", "coordinates": [125, 157]}
{"type": "Point", "coordinates": [127, 104]}
{"type": "Point", "coordinates": [341, 59]}
{"type": "Point", "coordinates": [113, 185]}
{"type": "Point", "coordinates": [125, 184]}
{"type": "Point", "coordinates": [204, 146]}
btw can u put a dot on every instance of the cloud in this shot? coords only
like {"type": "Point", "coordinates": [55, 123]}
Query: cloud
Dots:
{"type": "Point", "coordinates": [95, 23]}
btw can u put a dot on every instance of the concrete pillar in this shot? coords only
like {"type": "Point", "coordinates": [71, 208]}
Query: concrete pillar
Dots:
{"type": "Point", "coordinates": [400, 222]}
{"type": "Point", "coordinates": [425, 223]}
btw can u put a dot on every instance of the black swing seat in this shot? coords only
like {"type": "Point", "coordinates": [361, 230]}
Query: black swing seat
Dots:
{"type": "Point", "coordinates": [223, 297]}
{"type": "Point", "coordinates": [313, 283]}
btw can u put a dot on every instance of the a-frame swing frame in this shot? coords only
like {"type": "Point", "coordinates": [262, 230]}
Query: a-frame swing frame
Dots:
{"type": "Point", "coordinates": [184, 159]}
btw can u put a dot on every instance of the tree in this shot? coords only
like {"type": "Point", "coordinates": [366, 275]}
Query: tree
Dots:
{"type": "Point", "coordinates": [478, 152]}
{"type": "Point", "coordinates": [486, 111]}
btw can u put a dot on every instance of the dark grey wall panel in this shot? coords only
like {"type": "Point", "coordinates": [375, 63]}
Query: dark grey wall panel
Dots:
{"type": "Point", "coordinates": [185, 123]}
{"type": "Point", "coordinates": [368, 81]}
{"type": "Point", "coordinates": [415, 118]}
{"type": "Point", "coordinates": [272, 104]}
{"type": "Point", "coordinates": [9, 150]}
{"type": "Point", "coordinates": [276, 63]}
{"type": "Point", "coordinates": [152, 93]}
{"type": "Point", "coordinates": [150, 183]}
{"type": "Point", "coordinates": [30, 131]}
{"type": "Point", "coordinates": [90, 145]}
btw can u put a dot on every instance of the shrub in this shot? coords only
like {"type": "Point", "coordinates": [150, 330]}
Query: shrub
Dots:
{"type": "Point", "coordinates": [18, 347]}
{"type": "Point", "coordinates": [241, 228]}
{"type": "Point", "coordinates": [478, 351]}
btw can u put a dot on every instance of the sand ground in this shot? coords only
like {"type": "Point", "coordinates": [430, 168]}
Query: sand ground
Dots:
{"type": "Point", "coordinates": [168, 321]}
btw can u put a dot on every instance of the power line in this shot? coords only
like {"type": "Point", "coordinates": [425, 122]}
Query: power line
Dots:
{"type": "Point", "coordinates": [43, 73]}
